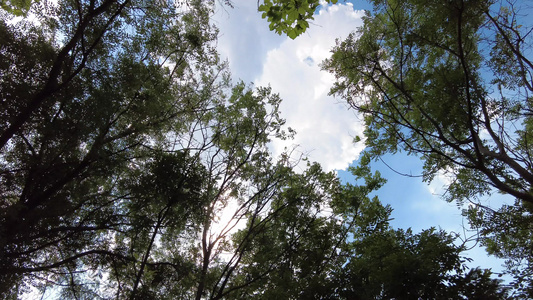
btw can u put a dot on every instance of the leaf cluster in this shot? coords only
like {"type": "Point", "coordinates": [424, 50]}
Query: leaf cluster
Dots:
{"type": "Point", "coordinates": [289, 16]}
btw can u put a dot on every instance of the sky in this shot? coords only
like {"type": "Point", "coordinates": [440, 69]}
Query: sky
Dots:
{"type": "Point", "coordinates": [325, 126]}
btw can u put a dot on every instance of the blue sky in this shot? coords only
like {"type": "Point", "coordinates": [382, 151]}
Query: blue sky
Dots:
{"type": "Point", "coordinates": [325, 126]}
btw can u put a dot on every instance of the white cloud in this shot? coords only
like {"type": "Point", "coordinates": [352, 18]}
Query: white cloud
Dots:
{"type": "Point", "coordinates": [244, 38]}
{"type": "Point", "coordinates": [440, 183]}
{"type": "Point", "coordinates": [325, 127]}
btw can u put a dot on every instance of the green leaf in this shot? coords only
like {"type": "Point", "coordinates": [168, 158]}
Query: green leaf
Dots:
{"type": "Point", "coordinates": [292, 16]}
{"type": "Point", "coordinates": [292, 33]}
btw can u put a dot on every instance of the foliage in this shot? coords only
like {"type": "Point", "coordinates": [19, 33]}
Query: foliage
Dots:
{"type": "Point", "coordinates": [387, 263]}
{"type": "Point", "coordinates": [397, 264]}
{"type": "Point", "coordinates": [289, 16]}
{"type": "Point", "coordinates": [450, 82]}
{"type": "Point", "coordinates": [353, 253]}
{"type": "Point", "coordinates": [506, 233]}
{"type": "Point", "coordinates": [17, 7]}
{"type": "Point", "coordinates": [94, 95]}
{"type": "Point", "coordinates": [132, 168]}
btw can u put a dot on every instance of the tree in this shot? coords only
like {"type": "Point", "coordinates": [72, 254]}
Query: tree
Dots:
{"type": "Point", "coordinates": [386, 263]}
{"type": "Point", "coordinates": [450, 82]}
{"type": "Point", "coordinates": [397, 264]}
{"type": "Point", "coordinates": [89, 91]}
{"type": "Point", "coordinates": [506, 233]}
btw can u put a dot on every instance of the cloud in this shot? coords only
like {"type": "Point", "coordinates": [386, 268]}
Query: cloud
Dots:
{"type": "Point", "coordinates": [244, 38]}
{"type": "Point", "coordinates": [440, 183]}
{"type": "Point", "coordinates": [325, 127]}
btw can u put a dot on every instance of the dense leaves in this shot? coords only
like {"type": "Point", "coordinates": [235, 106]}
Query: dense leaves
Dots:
{"type": "Point", "coordinates": [290, 17]}
{"type": "Point", "coordinates": [93, 98]}
{"type": "Point", "coordinates": [17, 7]}
{"type": "Point", "coordinates": [450, 81]}
{"type": "Point", "coordinates": [131, 167]}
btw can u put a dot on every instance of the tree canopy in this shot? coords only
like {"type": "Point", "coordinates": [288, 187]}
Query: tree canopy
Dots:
{"type": "Point", "coordinates": [450, 81]}
{"type": "Point", "coordinates": [133, 167]}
